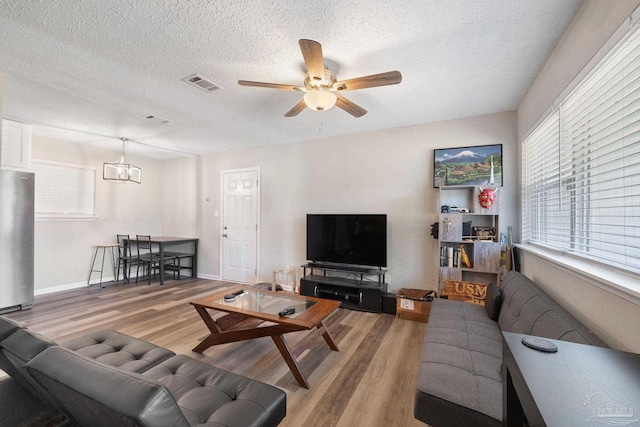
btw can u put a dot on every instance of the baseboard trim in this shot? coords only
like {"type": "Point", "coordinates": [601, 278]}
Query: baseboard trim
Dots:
{"type": "Point", "coordinates": [105, 280]}
{"type": "Point", "coordinates": [60, 288]}
{"type": "Point", "coordinates": [208, 276]}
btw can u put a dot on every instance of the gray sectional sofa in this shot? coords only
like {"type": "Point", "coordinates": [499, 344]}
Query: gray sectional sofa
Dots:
{"type": "Point", "coordinates": [460, 380]}
{"type": "Point", "coordinates": [111, 379]}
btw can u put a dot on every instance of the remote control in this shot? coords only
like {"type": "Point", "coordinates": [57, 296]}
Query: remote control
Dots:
{"type": "Point", "coordinates": [287, 312]}
{"type": "Point", "coordinates": [236, 293]}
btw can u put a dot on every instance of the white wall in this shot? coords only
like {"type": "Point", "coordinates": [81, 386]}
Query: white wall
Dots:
{"type": "Point", "coordinates": [1, 99]}
{"type": "Point", "coordinates": [612, 318]}
{"type": "Point", "coordinates": [179, 189]}
{"type": "Point", "coordinates": [63, 250]}
{"type": "Point", "coordinates": [387, 171]}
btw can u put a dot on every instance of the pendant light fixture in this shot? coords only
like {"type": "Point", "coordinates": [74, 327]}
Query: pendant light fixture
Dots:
{"type": "Point", "coordinates": [121, 170]}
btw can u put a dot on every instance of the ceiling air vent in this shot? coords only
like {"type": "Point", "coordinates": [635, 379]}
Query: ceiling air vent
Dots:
{"type": "Point", "coordinates": [200, 82]}
{"type": "Point", "coordinates": [154, 118]}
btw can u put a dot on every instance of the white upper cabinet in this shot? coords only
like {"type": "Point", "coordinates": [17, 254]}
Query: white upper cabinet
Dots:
{"type": "Point", "coordinates": [16, 146]}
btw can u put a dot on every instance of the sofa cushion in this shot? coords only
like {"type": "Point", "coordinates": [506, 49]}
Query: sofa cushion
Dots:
{"type": "Point", "coordinates": [117, 349]}
{"type": "Point", "coordinates": [493, 301]}
{"type": "Point", "coordinates": [526, 309]}
{"type": "Point", "coordinates": [95, 394]}
{"type": "Point", "coordinates": [23, 345]}
{"type": "Point", "coordinates": [209, 396]}
{"type": "Point", "coordinates": [16, 351]}
{"type": "Point", "coordinates": [9, 326]}
{"type": "Point", "coordinates": [459, 382]}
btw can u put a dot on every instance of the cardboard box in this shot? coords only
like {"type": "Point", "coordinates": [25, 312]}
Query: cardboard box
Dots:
{"type": "Point", "coordinates": [414, 304]}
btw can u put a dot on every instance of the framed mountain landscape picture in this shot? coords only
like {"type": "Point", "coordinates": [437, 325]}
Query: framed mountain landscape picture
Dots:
{"type": "Point", "coordinates": [480, 165]}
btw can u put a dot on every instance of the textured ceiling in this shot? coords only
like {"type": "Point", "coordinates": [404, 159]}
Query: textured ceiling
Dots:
{"type": "Point", "coordinates": [98, 66]}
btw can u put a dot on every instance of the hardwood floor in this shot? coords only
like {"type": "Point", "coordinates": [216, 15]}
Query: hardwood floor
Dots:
{"type": "Point", "coordinates": [369, 382]}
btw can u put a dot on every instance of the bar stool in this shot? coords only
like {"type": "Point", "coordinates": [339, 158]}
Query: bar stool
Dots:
{"type": "Point", "coordinates": [105, 248]}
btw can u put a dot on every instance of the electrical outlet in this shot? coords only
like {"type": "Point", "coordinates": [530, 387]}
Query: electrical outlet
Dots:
{"type": "Point", "coordinates": [388, 277]}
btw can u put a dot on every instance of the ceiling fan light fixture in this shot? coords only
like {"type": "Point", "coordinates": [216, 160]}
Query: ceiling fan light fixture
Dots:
{"type": "Point", "coordinates": [321, 85]}
{"type": "Point", "coordinates": [320, 99]}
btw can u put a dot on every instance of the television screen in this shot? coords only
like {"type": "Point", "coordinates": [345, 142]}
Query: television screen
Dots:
{"type": "Point", "coordinates": [347, 239]}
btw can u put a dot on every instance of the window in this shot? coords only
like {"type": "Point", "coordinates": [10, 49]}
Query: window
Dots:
{"type": "Point", "coordinates": [581, 166]}
{"type": "Point", "coordinates": [63, 191]}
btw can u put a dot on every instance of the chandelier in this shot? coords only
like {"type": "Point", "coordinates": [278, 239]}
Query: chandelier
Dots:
{"type": "Point", "coordinates": [121, 170]}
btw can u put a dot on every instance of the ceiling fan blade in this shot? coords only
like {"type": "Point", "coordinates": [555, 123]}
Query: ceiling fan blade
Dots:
{"type": "Point", "coordinates": [270, 85]}
{"type": "Point", "coordinates": [382, 79]}
{"type": "Point", "coordinates": [348, 106]}
{"type": "Point", "coordinates": [297, 109]}
{"type": "Point", "coordinates": [312, 54]}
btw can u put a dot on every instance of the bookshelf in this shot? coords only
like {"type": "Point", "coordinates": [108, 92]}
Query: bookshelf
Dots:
{"type": "Point", "coordinates": [469, 247]}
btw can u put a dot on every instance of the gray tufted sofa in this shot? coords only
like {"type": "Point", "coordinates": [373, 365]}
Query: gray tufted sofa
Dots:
{"type": "Point", "coordinates": [107, 378]}
{"type": "Point", "coordinates": [460, 381]}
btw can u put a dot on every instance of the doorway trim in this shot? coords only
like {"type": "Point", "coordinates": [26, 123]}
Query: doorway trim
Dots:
{"type": "Point", "coordinates": [222, 213]}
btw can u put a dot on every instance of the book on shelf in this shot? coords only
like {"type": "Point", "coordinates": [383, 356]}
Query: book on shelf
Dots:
{"type": "Point", "coordinates": [451, 257]}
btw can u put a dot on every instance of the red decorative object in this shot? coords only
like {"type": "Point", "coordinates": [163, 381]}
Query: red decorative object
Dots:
{"type": "Point", "coordinates": [487, 197]}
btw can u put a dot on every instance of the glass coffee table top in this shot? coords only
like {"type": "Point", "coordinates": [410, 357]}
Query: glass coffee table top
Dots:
{"type": "Point", "coordinates": [267, 302]}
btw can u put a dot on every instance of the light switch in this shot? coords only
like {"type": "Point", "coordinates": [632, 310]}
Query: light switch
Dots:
{"type": "Point", "coordinates": [216, 214]}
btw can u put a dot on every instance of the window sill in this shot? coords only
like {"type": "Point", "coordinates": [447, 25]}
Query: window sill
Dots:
{"type": "Point", "coordinates": [622, 284]}
{"type": "Point", "coordinates": [64, 218]}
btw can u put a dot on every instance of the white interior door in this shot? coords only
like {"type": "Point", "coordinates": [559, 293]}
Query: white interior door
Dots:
{"type": "Point", "coordinates": [240, 196]}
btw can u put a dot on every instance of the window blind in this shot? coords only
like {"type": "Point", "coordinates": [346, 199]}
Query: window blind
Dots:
{"type": "Point", "coordinates": [62, 189]}
{"type": "Point", "coordinates": [581, 166]}
{"type": "Point", "coordinates": [541, 195]}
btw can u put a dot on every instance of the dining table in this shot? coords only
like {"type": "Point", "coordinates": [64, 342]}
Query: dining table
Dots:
{"type": "Point", "coordinates": [163, 242]}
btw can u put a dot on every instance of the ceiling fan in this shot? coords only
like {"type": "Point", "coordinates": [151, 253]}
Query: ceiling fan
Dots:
{"type": "Point", "coordinates": [321, 86]}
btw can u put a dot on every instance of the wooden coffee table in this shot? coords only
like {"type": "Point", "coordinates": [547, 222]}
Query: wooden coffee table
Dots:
{"type": "Point", "coordinates": [254, 314]}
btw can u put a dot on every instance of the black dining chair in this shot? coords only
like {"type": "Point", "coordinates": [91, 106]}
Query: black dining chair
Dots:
{"type": "Point", "coordinates": [149, 259]}
{"type": "Point", "coordinates": [179, 263]}
{"type": "Point", "coordinates": [124, 257]}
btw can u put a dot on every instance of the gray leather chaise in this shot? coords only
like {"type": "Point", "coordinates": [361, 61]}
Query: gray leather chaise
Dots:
{"type": "Point", "coordinates": [108, 379]}
{"type": "Point", "coordinates": [460, 380]}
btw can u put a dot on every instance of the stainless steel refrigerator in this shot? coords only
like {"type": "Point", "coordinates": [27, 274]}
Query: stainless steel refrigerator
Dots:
{"type": "Point", "coordinates": [16, 240]}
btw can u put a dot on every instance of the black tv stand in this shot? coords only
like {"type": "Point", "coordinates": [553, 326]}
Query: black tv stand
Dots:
{"type": "Point", "coordinates": [347, 268]}
{"type": "Point", "coordinates": [365, 295]}
{"type": "Point", "coordinates": [361, 270]}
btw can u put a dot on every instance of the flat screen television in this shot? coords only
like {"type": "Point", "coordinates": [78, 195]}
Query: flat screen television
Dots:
{"type": "Point", "coordinates": [347, 239]}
